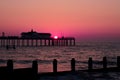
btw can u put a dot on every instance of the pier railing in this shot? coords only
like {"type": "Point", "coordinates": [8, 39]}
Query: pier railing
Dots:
{"type": "Point", "coordinates": [33, 71]}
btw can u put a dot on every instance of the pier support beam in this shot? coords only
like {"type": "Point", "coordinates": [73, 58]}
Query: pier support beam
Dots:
{"type": "Point", "coordinates": [36, 42]}
{"type": "Point", "coordinates": [45, 42]}
{"type": "Point", "coordinates": [70, 42]}
{"type": "Point", "coordinates": [22, 42]}
{"type": "Point", "coordinates": [48, 42]}
{"type": "Point", "coordinates": [40, 42]}
{"type": "Point", "coordinates": [32, 42]}
{"type": "Point", "coordinates": [18, 42]}
{"type": "Point", "coordinates": [74, 42]}
{"type": "Point", "coordinates": [53, 43]}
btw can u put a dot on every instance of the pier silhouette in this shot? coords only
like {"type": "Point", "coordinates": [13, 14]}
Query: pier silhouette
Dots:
{"type": "Point", "coordinates": [34, 39]}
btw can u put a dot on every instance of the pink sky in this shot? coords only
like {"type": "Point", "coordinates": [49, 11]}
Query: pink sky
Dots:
{"type": "Point", "coordinates": [79, 18]}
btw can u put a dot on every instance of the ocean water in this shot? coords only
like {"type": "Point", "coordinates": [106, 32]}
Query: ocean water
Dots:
{"type": "Point", "coordinates": [23, 56]}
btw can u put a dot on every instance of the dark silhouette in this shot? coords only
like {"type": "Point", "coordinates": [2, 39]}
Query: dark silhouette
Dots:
{"type": "Point", "coordinates": [35, 35]}
{"type": "Point", "coordinates": [28, 39]}
{"type": "Point", "coordinates": [118, 61]}
{"type": "Point", "coordinates": [73, 64]}
{"type": "Point", "coordinates": [9, 73]}
{"type": "Point", "coordinates": [90, 64]}
{"type": "Point", "coordinates": [104, 62]}
{"type": "Point", "coordinates": [54, 65]}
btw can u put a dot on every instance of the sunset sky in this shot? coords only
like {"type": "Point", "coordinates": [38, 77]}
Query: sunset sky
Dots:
{"type": "Point", "coordinates": [79, 18]}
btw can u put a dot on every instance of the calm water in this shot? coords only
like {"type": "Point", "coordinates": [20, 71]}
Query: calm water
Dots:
{"type": "Point", "coordinates": [24, 56]}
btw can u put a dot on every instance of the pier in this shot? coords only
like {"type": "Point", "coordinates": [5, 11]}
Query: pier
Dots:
{"type": "Point", "coordinates": [34, 39]}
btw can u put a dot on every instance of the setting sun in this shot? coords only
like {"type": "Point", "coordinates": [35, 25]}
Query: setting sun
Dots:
{"type": "Point", "coordinates": [55, 37]}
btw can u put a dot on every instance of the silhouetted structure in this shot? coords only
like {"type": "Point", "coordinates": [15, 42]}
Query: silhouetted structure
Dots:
{"type": "Point", "coordinates": [9, 73]}
{"type": "Point", "coordinates": [73, 64]}
{"type": "Point", "coordinates": [90, 64]}
{"type": "Point", "coordinates": [54, 65]}
{"type": "Point", "coordinates": [34, 35]}
{"type": "Point", "coordinates": [30, 39]}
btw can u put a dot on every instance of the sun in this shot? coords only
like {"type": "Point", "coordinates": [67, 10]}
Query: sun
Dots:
{"type": "Point", "coordinates": [55, 37]}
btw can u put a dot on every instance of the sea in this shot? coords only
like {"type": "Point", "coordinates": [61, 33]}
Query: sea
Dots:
{"type": "Point", "coordinates": [23, 57]}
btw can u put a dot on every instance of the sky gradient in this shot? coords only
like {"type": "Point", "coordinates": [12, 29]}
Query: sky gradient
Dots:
{"type": "Point", "coordinates": [79, 18]}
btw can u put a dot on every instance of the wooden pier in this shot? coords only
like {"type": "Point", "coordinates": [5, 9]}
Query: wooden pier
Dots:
{"type": "Point", "coordinates": [35, 42]}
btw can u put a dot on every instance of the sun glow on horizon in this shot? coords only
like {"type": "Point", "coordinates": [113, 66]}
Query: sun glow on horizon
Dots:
{"type": "Point", "coordinates": [55, 37]}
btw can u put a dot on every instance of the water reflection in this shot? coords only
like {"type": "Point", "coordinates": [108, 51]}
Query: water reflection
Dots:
{"type": "Point", "coordinates": [23, 57]}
